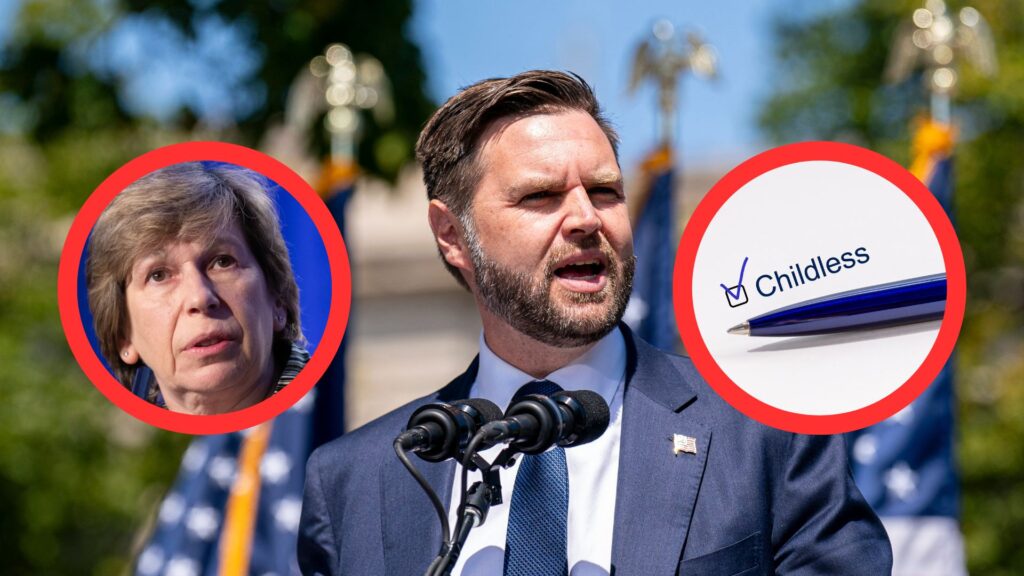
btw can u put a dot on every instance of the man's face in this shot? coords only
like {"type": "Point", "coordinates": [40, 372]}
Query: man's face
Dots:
{"type": "Point", "coordinates": [549, 234]}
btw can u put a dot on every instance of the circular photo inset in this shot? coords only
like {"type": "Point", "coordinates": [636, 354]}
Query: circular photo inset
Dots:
{"type": "Point", "coordinates": [204, 287]}
{"type": "Point", "coordinates": [819, 288]}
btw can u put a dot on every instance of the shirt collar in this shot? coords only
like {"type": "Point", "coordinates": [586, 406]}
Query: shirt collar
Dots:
{"type": "Point", "coordinates": [601, 369]}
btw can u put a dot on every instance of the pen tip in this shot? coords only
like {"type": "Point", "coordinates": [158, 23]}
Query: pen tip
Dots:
{"type": "Point", "coordinates": [742, 329]}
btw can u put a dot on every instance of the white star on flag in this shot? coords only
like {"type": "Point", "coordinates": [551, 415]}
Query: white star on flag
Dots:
{"type": "Point", "coordinates": [222, 471]}
{"type": "Point", "coordinates": [287, 513]}
{"type": "Point", "coordinates": [172, 509]}
{"type": "Point", "coordinates": [275, 466]}
{"type": "Point", "coordinates": [901, 480]}
{"type": "Point", "coordinates": [182, 566]}
{"type": "Point", "coordinates": [865, 448]}
{"type": "Point", "coordinates": [904, 416]}
{"type": "Point", "coordinates": [150, 561]}
{"type": "Point", "coordinates": [194, 457]}
{"type": "Point", "coordinates": [203, 522]}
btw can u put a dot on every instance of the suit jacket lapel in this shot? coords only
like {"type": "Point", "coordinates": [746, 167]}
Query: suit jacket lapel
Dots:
{"type": "Point", "coordinates": [411, 530]}
{"type": "Point", "coordinates": [656, 489]}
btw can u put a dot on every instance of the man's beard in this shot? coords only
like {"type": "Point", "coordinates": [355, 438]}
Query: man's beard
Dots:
{"type": "Point", "coordinates": [526, 303]}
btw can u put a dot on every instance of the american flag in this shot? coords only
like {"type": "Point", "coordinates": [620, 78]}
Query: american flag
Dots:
{"type": "Point", "coordinates": [905, 465]}
{"type": "Point", "coordinates": [650, 312]}
{"type": "Point", "coordinates": [234, 508]}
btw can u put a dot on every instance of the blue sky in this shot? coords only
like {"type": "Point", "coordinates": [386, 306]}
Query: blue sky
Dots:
{"type": "Point", "coordinates": [7, 9]}
{"type": "Point", "coordinates": [464, 41]}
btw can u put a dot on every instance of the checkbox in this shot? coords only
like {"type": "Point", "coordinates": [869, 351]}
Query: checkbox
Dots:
{"type": "Point", "coordinates": [736, 296]}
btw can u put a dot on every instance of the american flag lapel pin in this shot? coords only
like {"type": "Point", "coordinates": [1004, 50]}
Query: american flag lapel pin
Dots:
{"type": "Point", "coordinates": [683, 444]}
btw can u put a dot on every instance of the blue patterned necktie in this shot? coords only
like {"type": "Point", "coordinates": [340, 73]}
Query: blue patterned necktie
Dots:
{"type": "Point", "coordinates": [538, 519]}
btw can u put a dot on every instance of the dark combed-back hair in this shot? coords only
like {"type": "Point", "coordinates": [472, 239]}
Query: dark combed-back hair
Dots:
{"type": "Point", "coordinates": [448, 145]}
{"type": "Point", "coordinates": [183, 202]}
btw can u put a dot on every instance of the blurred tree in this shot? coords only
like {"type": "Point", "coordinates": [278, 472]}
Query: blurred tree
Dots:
{"type": "Point", "coordinates": [84, 87]}
{"type": "Point", "coordinates": [830, 87]}
{"type": "Point", "coordinates": [77, 476]}
{"type": "Point", "coordinates": [225, 65]}
{"type": "Point", "coordinates": [290, 32]}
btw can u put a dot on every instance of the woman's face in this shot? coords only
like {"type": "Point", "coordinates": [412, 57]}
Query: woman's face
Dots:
{"type": "Point", "coordinates": [203, 319]}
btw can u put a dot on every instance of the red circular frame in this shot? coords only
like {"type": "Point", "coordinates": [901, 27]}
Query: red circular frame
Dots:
{"type": "Point", "coordinates": [71, 255]}
{"type": "Point", "coordinates": [956, 291]}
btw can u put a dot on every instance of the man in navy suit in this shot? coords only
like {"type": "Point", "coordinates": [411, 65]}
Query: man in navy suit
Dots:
{"type": "Point", "coordinates": [528, 212]}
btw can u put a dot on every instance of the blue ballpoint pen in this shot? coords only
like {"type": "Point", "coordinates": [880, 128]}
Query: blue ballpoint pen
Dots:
{"type": "Point", "coordinates": [903, 302]}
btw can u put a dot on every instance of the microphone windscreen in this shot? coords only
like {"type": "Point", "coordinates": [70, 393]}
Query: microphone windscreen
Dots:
{"type": "Point", "coordinates": [487, 410]}
{"type": "Point", "coordinates": [594, 418]}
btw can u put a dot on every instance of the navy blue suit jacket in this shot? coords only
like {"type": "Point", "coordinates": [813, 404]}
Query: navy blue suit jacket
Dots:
{"type": "Point", "coordinates": [753, 500]}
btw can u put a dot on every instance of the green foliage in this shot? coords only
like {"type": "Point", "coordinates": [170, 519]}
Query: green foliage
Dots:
{"type": "Point", "coordinates": [79, 480]}
{"type": "Point", "coordinates": [832, 89]}
{"type": "Point", "coordinates": [35, 67]}
{"type": "Point", "coordinates": [77, 476]}
{"type": "Point", "coordinates": [50, 64]}
{"type": "Point", "coordinates": [293, 31]}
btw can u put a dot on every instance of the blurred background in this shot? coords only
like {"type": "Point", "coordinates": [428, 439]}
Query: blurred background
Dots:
{"type": "Point", "coordinates": [87, 85]}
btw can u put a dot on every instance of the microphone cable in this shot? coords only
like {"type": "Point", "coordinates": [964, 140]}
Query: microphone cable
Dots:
{"type": "Point", "coordinates": [443, 562]}
{"type": "Point", "coordinates": [434, 500]}
{"type": "Point", "coordinates": [467, 459]}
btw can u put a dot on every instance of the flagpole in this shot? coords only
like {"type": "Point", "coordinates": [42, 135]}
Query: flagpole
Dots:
{"type": "Point", "coordinates": [911, 484]}
{"type": "Point", "coordinates": [663, 59]}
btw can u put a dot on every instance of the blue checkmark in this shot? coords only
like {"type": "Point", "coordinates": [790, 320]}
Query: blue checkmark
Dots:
{"type": "Point", "coordinates": [739, 285]}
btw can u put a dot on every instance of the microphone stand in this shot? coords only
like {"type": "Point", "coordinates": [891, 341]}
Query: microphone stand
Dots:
{"type": "Point", "coordinates": [474, 505]}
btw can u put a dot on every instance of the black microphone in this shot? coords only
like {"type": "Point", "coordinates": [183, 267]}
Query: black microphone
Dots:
{"type": "Point", "coordinates": [438, 431]}
{"type": "Point", "coordinates": [536, 421]}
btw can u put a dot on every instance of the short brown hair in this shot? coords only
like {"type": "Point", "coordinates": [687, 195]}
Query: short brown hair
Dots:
{"type": "Point", "coordinates": [447, 146]}
{"type": "Point", "coordinates": [182, 202]}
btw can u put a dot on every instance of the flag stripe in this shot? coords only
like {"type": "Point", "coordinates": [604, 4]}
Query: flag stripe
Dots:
{"type": "Point", "coordinates": [929, 545]}
{"type": "Point", "coordinates": [904, 465]}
